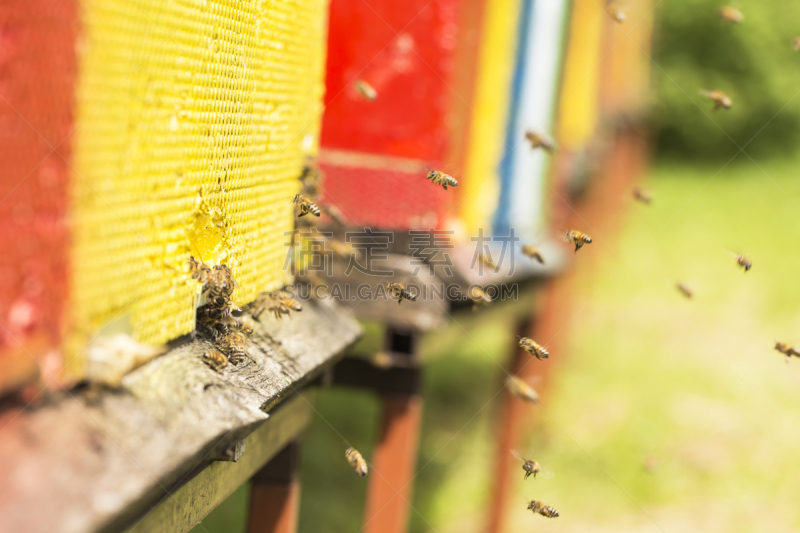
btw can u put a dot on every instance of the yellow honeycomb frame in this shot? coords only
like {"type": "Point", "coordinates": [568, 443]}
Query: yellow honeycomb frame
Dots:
{"type": "Point", "coordinates": [193, 121]}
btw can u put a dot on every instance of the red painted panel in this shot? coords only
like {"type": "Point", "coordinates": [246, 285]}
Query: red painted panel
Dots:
{"type": "Point", "coordinates": [405, 50]}
{"type": "Point", "coordinates": [37, 77]}
{"type": "Point", "coordinates": [384, 199]}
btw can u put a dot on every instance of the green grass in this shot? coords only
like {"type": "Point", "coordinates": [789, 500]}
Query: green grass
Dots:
{"type": "Point", "coordinates": [644, 374]}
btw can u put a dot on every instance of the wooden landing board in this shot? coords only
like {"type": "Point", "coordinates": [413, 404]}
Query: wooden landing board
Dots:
{"type": "Point", "coordinates": [98, 462]}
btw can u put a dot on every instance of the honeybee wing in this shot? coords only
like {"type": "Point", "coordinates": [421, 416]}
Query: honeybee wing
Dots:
{"type": "Point", "coordinates": [736, 256]}
{"type": "Point", "coordinates": [547, 474]}
{"type": "Point", "coordinates": [517, 455]}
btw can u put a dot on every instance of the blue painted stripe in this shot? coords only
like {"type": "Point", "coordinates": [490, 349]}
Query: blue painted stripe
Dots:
{"type": "Point", "coordinates": [501, 222]}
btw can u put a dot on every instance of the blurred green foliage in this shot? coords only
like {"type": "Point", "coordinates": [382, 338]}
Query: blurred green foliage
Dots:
{"type": "Point", "coordinates": [753, 62]}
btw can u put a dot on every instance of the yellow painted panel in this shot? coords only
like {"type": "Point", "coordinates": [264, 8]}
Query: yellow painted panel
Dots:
{"type": "Point", "coordinates": [193, 120]}
{"type": "Point", "coordinates": [490, 114]}
{"type": "Point", "coordinates": [629, 58]}
{"type": "Point", "coordinates": [578, 108]}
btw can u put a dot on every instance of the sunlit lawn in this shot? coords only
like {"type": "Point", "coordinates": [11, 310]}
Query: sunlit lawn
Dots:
{"type": "Point", "coordinates": [693, 386]}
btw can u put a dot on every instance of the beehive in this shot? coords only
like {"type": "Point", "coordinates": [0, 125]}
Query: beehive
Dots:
{"type": "Point", "coordinates": [375, 153]}
{"type": "Point", "coordinates": [191, 122]}
{"type": "Point", "coordinates": [523, 170]}
{"type": "Point", "coordinates": [578, 97]}
{"type": "Point", "coordinates": [491, 113]}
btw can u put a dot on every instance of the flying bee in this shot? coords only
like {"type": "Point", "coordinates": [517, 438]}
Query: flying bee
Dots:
{"type": "Point", "coordinates": [685, 290]}
{"type": "Point", "coordinates": [730, 14]}
{"type": "Point", "coordinates": [479, 297]}
{"type": "Point", "coordinates": [741, 260]}
{"type": "Point", "coordinates": [366, 90]}
{"type": "Point", "coordinates": [533, 252]}
{"type": "Point", "coordinates": [642, 196]}
{"type": "Point", "coordinates": [542, 509]}
{"type": "Point", "coordinates": [440, 178]}
{"type": "Point", "coordinates": [787, 350]}
{"type": "Point", "coordinates": [343, 250]}
{"type": "Point", "coordinates": [539, 140]}
{"type": "Point", "coordinates": [311, 179]}
{"type": "Point", "coordinates": [522, 390]}
{"type": "Point", "coordinates": [614, 10]}
{"type": "Point", "coordinates": [533, 348]}
{"type": "Point", "coordinates": [400, 293]}
{"type": "Point", "coordinates": [720, 99]}
{"type": "Point", "coordinates": [306, 206]}
{"type": "Point", "coordinates": [293, 305]}
{"type": "Point", "coordinates": [278, 303]}
{"type": "Point", "coordinates": [333, 212]}
{"type": "Point", "coordinates": [486, 260]}
{"type": "Point", "coordinates": [577, 238]}
{"type": "Point", "coordinates": [215, 359]}
{"type": "Point", "coordinates": [796, 44]}
{"type": "Point", "coordinates": [528, 465]}
{"type": "Point", "coordinates": [356, 461]}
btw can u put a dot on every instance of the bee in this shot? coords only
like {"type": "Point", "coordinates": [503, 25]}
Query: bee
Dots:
{"type": "Point", "coordinates": [614, 10]}
{"type": "Point", "coordinates": [730, 14]}
{"type": "Point", "coordinates": [333, 212]}
{"type": "Point", "coordinates": [221, 283]}
{"type": "Point", "coordinates": [217, 282]}
{"type": "Point", "coordinates": [643, 196]}
{"type": "Point", "coordinates": [542, 509]}
{"type": "Point", "coordinates": [787, 350]}
{"type": "Point", "coordinates": [577, 238]}
{"type": "Point", "coordinates": [287, 300]}
{"type": "Point", "coordinates": [685, 290]}
{"type": "Point", "coordinates": [278, 302]}
{"type": "Point", "coordinates": [382, 360]}
{"type": "Point", "coordinates": [234, 346]}
{"type": "Point", "coordinates": [533, 252]}
{"type": "Point", "coordinates": [311, 177]}
{"type": "Point", "coordinates": [343, 250]}
{"type": "Point", "coordinates": [741, 260]}
{"type": "Point", "coordinates": [720, 99]}
{"type": "Point", "coordinates": [533, 348]}
{"type": "Point", "coordinates": [215, 359]}
{"type": "Point", "coordinates": [306, 206]}
{"type": "Point", "coordinates": [366, 90]}
{"type": "Point", "coordinates": [440, 178]}
{"type": "Point", "coordinates": [479, 297]}
{"type": "Point", "coordinates": [539, 140]}
{"type": "Point", "coordinates": [486, 260]}
{"type": "Point", "coordinates": [521, 389]}
{"type": "Point", "coordinates": [528, 465]}
{"type": "Point", "coordinates": [400, 293]}
{"type": "Point", "coordinates": [245, 328]}
{"type": "Point", "coordinates": [356, 461]}
{"type": "Point", "coordinates": [796, 44]}
{"type": "Point", "coordinates": [199, 270]}
{"type": "Point", "coordinates": [209, 313]}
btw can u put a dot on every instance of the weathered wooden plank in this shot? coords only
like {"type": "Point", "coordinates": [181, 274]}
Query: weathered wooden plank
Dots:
{"type": "Point", "coordinates": [366, 294]}
{"type": "Point", "coordinates": [98, 461]}
{"type": "Point", "coordinates": [190, 503]}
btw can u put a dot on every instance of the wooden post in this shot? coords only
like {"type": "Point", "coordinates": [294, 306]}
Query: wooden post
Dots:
{"type": "Point", "coordinates": [393, 463]}
{"type": "Point", "coordinates": [275, 494]}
